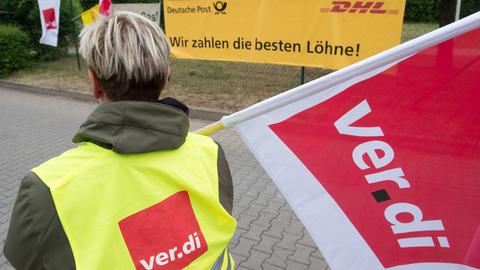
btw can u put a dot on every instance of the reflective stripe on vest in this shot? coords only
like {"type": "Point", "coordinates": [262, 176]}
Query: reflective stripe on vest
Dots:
{"type": "Point", "coordinates": [224, 262]}
{"type": "Point", "coordinates": [157, 210]}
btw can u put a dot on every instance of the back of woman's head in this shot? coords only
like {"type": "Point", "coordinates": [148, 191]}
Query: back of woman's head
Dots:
{"type": "Point", "coordinates": [128, 55]}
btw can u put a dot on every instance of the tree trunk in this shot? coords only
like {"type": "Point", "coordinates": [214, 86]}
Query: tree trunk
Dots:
{"type": "Point", "coordinates": [447, 11]}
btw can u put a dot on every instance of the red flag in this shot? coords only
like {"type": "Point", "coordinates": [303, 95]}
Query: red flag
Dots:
{"type": "Point", "coordinates": [105, 7]}
{"type": "Point", "coordinates": [384, 169]}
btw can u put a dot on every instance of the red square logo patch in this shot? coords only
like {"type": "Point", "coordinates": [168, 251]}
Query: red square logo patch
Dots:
{"type": "Point", "coordinates": [165, 235]}
{"type": "Point", "coordinates": [49, 17]}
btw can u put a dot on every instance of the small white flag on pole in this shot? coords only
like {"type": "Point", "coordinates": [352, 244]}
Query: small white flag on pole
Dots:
{"type": "Point", "coordinates": [50, 18]}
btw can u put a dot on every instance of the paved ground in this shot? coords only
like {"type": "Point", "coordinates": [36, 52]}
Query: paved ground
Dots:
{"type": "Point", "coordinates": [34, 128]}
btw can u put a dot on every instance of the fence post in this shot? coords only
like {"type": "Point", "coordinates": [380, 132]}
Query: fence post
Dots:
{"type": "Point", "coordinates": [74, 34]}
{"type": "Point", "coordinates": [302, 76]}
{"type": "Point", "coordinates": [162, 16]}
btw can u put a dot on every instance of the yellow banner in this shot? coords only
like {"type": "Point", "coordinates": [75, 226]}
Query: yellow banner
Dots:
{"type": "Point", "coordinates": [317, 33]}
{"type": "Point", "coordinates": [90, 16]}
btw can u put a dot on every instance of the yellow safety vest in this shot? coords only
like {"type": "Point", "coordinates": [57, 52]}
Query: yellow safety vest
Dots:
{"type": "Point", "coordinates": [157, 210]}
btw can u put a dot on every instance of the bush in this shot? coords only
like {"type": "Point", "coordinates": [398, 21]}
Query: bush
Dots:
{"type": "Point", "coordinates": [15, 51]}
{"type": "Point", "coordinates": [469, 7]}
{"type": "Point", "coordinates": [421, 11]}
{"type": "Point", "coordinates": [429, 10]}
{"type": "Point", "coordinates": [25, 14]}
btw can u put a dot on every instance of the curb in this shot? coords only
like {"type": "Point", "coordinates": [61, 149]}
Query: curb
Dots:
{"type": "Point", "coordinates": [195, 112]}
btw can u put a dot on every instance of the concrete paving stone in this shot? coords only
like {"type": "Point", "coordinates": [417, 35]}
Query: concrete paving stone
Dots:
{"type": "Point", "coordinates": [279, 257]}
{"type": "Point", "coordinates": [276, 229]}
{"type": "Point", "coordinates": [244, 246]}
{"type": "Point", "coordinates": [262, 182]}
{"type": "Point", "coordinates": [255, 259]}
{"type": "Point", "coordinates": [295, 228]}
{"type": "Point", "coordinates": [255, 231]}
{"type": "Point", "coordinates": [253, 210]}
{"type": "Point", "coordinates": [288, 241]}
{"type": "Point", "coordinates": [240, 191]}
{"type": "Point", "coordinates": [244, 221]}
{"type": "Point", "coordinates": [238, 233]}
{"type": "Point", "coordinates": [35, 128]}
{"type": "Point", "coordinates": [307, 240]}
{"type": "Point", "coordinates": [265, 219]}
{"type": "Point", "coordinates": [267, 266]}
{"type": "Point", "coordinates": [302, 254]}
{"type": "Point", "coordinates": [284, 216]}
{"type": "Point", "coordinates": [262, 200]}
{"type": "Point", "coordinates": [293, 265]}
{"type": "Point", "coordinates": [238, 259]}
{"type": "Point", "coordinates": [266, 244]}
{"type": "Point", "coordinates": [237, 210]}
{"type": "Point", "coordinates": [278, 197]}
{"type": "Point", "coordinates": [273, 207]}
{"type": "Point", "coordinates": [318, 264]}
{"type": "Point", "coordinates": [245, 201]}
{"type": "Point", "coordinates": [271, 190]}
{"type": "Point", "coordinates": [317, 254]}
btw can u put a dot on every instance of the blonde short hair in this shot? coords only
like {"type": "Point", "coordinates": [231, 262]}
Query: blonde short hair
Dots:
{"type": "Point", "coordinates": [128, 54]}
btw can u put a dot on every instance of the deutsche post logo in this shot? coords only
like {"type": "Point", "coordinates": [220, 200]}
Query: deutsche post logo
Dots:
{"type": "Point", "coordinates": [372, 7]}
{"type": "Point", "coordinates": [220, 7]}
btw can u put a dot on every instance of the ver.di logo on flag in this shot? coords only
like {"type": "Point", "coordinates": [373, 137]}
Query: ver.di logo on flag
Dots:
{"type": "Point", "coordinates": [50, 18]}
{"type": "Point", "coordinates": [407, 184]}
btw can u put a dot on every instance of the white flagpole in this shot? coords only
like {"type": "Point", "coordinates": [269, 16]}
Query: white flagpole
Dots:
{"type": "Point", "coordinates": [458, 9]}
{"type": "Point", "coordinates": [374, 62]}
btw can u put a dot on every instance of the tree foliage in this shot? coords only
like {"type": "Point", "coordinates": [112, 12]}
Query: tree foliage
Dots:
{"type": "Point", "coordinates": [15, 51]}
{"type": "Point", "coordinates": [430, 10]}
{"type": "Point", "coordinates": [26, 15]}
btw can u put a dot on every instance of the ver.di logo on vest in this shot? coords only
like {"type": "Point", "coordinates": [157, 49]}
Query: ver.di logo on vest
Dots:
{"type": "Point", "coordinates": [164, 236]}
{"type": "Point", "coordinates": [166, 257]}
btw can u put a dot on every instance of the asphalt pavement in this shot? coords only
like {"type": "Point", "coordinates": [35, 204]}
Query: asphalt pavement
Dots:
{"type": "Point", "coordinates": [35, 128]}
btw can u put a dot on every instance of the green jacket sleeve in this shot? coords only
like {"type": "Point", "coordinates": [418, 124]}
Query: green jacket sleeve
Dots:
{"type": "Point", "coordinates": [36, 239]}
{"type": "Point", "coordinates": [225, 184]}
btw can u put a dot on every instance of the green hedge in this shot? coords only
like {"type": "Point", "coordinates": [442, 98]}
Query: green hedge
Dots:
{"type": "Point", "coordinates": [15, 51]}
{"type": "Point", "coordinates": [469, 7]}
{"type": "Point", "coordinates": [421, 11]}
{"type": "Point", "coordinates": [25, 14]}
{"type": "Point", "coordinates": [428, 10]}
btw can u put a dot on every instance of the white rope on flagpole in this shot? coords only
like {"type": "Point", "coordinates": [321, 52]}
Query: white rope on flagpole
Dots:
{"type": "Point", "coordinates": [374, 62]}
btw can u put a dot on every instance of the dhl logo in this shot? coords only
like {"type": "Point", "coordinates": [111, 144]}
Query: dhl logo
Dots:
{"type": "Point", "coordinates": [372, 7]}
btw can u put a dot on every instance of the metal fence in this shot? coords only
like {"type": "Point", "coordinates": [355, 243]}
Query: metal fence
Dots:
{"type": "Point", "coordinates": [259, 81]}
{"type": "Point", "coordinates": [255, 81]}
{"type": "Point", "coordinates": [234, 85]}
